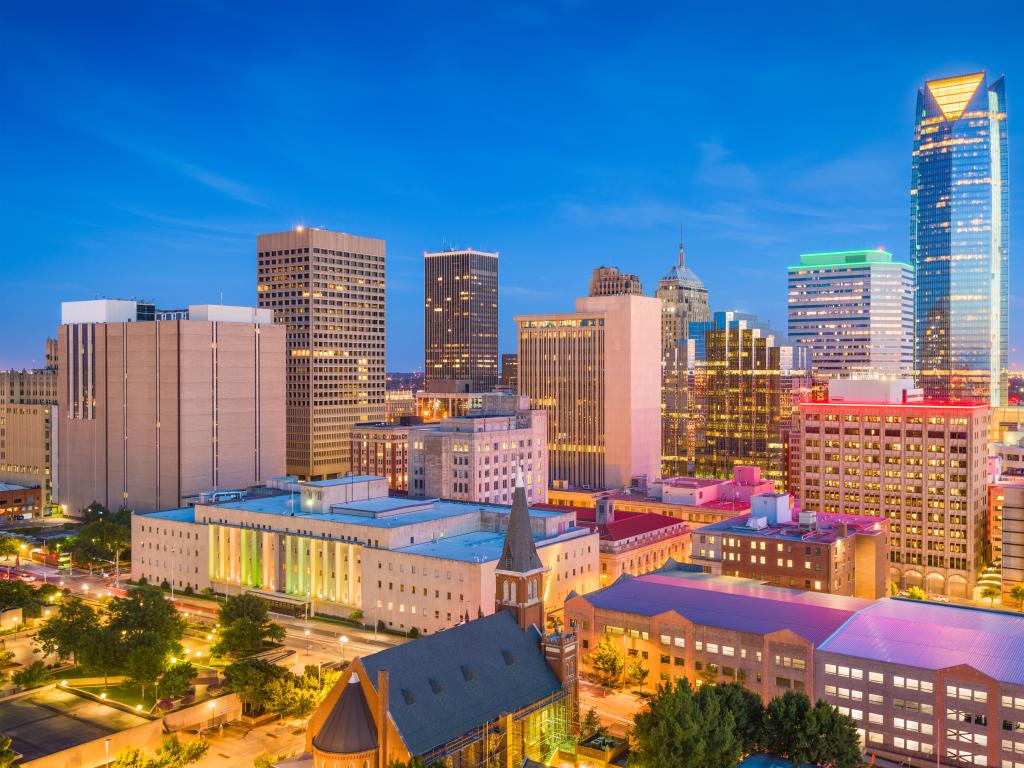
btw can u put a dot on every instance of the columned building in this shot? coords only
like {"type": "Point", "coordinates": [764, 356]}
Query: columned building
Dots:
{"type": "Point", "coordinates": [959, 238]}
{"type": "Point", "coordinates": [327, 290]}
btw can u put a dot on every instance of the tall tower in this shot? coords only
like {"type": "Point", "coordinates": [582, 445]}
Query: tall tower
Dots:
{"type": "Point", "coordinates": [327, 289]}
{"type": "Point", "coordinates": [519, 575]}
{"type": "Point", "coordinates": [684, 300]}
{"type": "Point", "coordinates": [959, 238]}
{"type": "Point", "coordinates": [460, 317]}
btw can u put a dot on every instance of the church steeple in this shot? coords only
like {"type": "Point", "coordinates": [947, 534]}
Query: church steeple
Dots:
{"type": "Point", "coordinates": [519, 575]}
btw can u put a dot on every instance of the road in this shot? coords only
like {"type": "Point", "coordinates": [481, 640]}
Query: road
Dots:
{"type": "Point", "coordinates": [614, 708]}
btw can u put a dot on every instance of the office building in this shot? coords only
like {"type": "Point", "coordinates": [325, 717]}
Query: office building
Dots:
{"type": "Point", "coordinates": [460, 317]}
{"type": "Point", "coordinates": [334, 546]}
{"type": "Point", "coordinates": [745, 386]}
{"type": "Point", "coordinates": [153, 411]}
{"type": "Point", "coordinates": [399, 404]}
{"type": "Point", "coordinates": [19, 502]}
{"type": "Point", "coordinates": [596, 372]}
{"type": "Point", "coordinates": [28, 400]}
{"type": "Point", "coordinates": [959, 238]}
{"type": "Point", "coordinates": [1004, 419]}
{"type": "Point", "coordinates": [476, 457]}
{"type": "Point", "coordinates": [780, 544]}
{"type": "Point", "coordinates": [872, 450]}
{"type": "Point", "coordinates": [705, 628]}
{"type": "Point", "coordinates": [381, 448]}
{"type": "Point", "coordinates": [510, 372]}
{"type": "Point", "coordinates": [327, 289]}
{"type": "Point", "coordinates": [609, 281]}
{"type": "Point", "coordinates": [684, 300]}
{"type": "Point", "coordinates": [1012, 540]}
{"type": "Point", "coordinates": [853, 311]}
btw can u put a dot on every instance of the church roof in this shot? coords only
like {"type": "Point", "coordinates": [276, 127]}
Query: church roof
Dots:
{"type": "Point", "coordinates": [349, 727]}
{"type": "Point", "coordinates": [445, 685]}
{"type": "Point", "coordinates": [519, 554]}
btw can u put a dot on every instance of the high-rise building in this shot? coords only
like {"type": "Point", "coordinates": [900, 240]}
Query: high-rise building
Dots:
{"type": "Point", "coordinates": [327, 289]}
{"type": "Point", "coordinates": [744, 385]}
{"type": "Point", "coordinates": [876, 448]}
{"type": "Point", "coordinates": [609, 281]}
{"type": "Point", "coordinates": [460, 317]}
{"type": "Point", "coordinates": [596, 373]}
{"type": "Point", "coordinates": [27, 403]}
{"type": "Point", "coordinates": [959, 238]}
{"type": "Point", "coordinates": [153, 411]}
{"type": "Point", "coordinates": [684, 300]}
{"type": "Point", "coordinates": [854, 313]}
{"type": "Point", "coordinates": [510, 371]}
{"type": "Point", "coordinates": [1012, 566]}
{"type": "Point", "coordinates": [477, 457]}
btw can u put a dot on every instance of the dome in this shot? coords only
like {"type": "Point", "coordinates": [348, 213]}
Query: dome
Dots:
{"type": "Point", "coordinates": [349, 728]}
{"type": "Point", "coordinates": [682, 274]}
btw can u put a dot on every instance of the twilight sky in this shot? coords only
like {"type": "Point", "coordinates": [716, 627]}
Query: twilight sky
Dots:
{"type": "Point", "coordinates": [145, 144]}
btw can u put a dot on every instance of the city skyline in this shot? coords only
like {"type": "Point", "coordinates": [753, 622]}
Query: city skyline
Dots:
{"type": "Point", "coordinates": [114, 177]}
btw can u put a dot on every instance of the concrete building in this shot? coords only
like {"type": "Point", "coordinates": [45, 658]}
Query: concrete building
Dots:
{"type": "Point", "coordinates": [872, 450]}
{"type": "Point", "coordinates": [383, 449]}
{"type": "Point", "coordinates": [596, 372]}
{"type": "Point", "coordinates": [744, 384]}
{"type": "Point", "coordinates": [399, 404]}
{"type": "Point", "coordinates": [510, 372]}
{"type": "Point", "coordinates": [476, 457]}
{"type": "Point", "coordinates": [684, 300]}
{"type": "Point", "coordinates": [854, 313]}
{"type": "Point", "coordinates": [28, 400]}
{"type": "Point", "coordinates": [435, 404]}
{"type": "Point", "coordinates": [609, 281]}
{"type": "Point", "coordinates": [334, 546]}
{"type": "Point", "coordinates": [708, 628]}
{"type": "Point", "coordinates": [1005, 418]}
{"type": "Point", "coordinates": [152, 411]}
{"type": "Point", "coordinates": [1012, 540]}
{"type": "Point", "coordinates": [460, 317]}
{"type": "Point", "coordinates": [327, 289]}
{"type": "Point", "coordinates": [694, 500]}
{"type": "Point", "coordinates": [781, 545]}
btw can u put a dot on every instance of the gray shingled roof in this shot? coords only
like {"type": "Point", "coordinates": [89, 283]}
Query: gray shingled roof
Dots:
{"type": "Point", "coordinates": [349, 727]}
{"type": "Point", "coordinates": [520, 552]}
{"type": "Point", "coordinates": [445, 685]}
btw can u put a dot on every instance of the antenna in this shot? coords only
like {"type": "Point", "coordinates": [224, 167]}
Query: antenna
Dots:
{"type": "Point", "coordinates": [682, 252]}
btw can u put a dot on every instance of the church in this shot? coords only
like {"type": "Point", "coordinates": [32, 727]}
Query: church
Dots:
{"type": "Point", "coordinates": [490, 693]}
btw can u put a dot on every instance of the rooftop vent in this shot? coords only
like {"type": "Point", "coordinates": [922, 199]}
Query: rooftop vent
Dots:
{"type": "Point", "coordinates": [435, 685]}
{"type": "Point", "coordinates": [508, 657]}
{"type": "Point", "coordinates": [467, 673]}
{"type": "Point", "coordinates": [407, 695]}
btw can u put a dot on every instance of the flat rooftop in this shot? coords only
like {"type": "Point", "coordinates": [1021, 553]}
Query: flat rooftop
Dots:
{"type": "Point", "coordinates": [183, 515]}
{"type": "Point", "coordinates": [54, 720]}
{"type": "Point", "coordinates": [728, 602]}
{"type": "Point", "coordinates": [479, 546]}
{"type": "Point", "coordinates": [827, 529]}
{"type": "Point", "coordinates": [350, 480]}
{"type": "Point", "coordinates": [934, 636]}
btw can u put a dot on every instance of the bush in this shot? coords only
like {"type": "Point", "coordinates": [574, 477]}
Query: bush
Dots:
{"type": "Point", "coordinates": [207, 592]}
{"type": "Point", "coordinates": [165, 585]}
{"type": "Point", "coordinates": [380, 625]}
{"type": "Point", "coordinates": [32, 676]}
{"type": "Point", "coordinates": [414, 633]}
{"type": "Point", "coordinates": [188, 590]}
{"type": "Point", "coordinates": [356, 615]}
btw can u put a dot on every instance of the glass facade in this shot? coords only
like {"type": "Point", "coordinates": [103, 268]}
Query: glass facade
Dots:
{"type": "Point", "coordinates": [960, 238]}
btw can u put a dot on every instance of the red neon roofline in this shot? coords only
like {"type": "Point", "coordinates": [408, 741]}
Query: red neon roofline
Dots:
{"type": "Point", "coordinates": [895, 405]}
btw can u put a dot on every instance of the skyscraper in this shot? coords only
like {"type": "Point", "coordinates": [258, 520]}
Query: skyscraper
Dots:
{"type": "Point", "coordinates": [959, 238]}
{"type": "Point", "coordinates": [684, 300]}
{"type": "Point", "coordinates": [327, 289]}
{"type": "Point", "coordinates": [460, 317]}
{"type": "Point", "coordinates": [609, 281]}
{"type": "Point", "coordinates": [854, 313]}
{"type": "Point", "coordinates": [595, 371]}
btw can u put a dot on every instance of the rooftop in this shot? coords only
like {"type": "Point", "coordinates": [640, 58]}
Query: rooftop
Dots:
{"type": "Point", "coordinates": [12, 487]}
{"type": "Point", "coordinates": [338, 481]}
{"type": "Point", "coordinates": [826, 528]}
{"type": "Point", "coordinates": [935, 636]}
{"type": "Point", "coordinates": [728, 602]}
{"type": "Point", "coordinates": [183, 515]}
{"type": "Point", "coordinates": [626, 525]}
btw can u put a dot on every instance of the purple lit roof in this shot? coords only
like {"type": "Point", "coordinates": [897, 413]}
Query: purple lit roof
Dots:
{"type": "Point", "coordinates": [934, 636]}
{"type": "Point", "coordinates": [729, 603]}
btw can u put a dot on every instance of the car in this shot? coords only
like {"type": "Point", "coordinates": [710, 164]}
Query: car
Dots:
{"type": "Point", "coordinates": [28, 577]}
{"type": "Point", "coordinates": [902, 593]}
{"type": "Point", "coordinates": [939, 598]}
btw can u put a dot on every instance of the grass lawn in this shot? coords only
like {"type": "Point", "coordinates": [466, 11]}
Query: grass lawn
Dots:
{"type": "Point", "coordinates": [125, 693]}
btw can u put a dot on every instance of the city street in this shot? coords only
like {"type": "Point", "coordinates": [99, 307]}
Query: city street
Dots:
{"type": "Point", "coordinates": [614, 708]}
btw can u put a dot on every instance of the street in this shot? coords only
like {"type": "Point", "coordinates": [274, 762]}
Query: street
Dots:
{"type": "Point", "coordinates": [614, 708]}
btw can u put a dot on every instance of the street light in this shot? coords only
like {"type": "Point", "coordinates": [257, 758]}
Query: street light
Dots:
{"type": "Point", "coordinates": [343, 639]}
{"type": "Point", "coordinates": [106, 747]}
{"type": "Point", "coordinates": [306, 633]}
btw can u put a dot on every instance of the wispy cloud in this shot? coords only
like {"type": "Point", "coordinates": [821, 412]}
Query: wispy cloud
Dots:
{"type": "Point", "coordinates": [715, 169]}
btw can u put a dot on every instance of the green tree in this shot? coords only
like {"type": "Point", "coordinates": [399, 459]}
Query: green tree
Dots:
{"type": "Point", "coordinates": [104, 651]}
{"type": "Point", "coordinates": [990, 594]}
{"type": "Point", "coordinates": [673, 730]}
{"type": "Point", "coordinates": [249, 679]}
{"type": "Point", "coordinates": [32, 676]}
{"type": "Point", "coordinates": [1017, 593]}
{"type": "Point", "coordinates": [69, 632]}
{"type": "Point", "coordinates": [709, 674]}
{"type": "Point", "coordinates": [894, 589]}
{"type": "Point", "coordinates": [915, 593]}
{"type": "Point", "coordinates": [144, 663]}
{"type": "Point", "coordinates": [7, 755]}
{"type": "Point", "coordinates": [245, 627]}
{"type": "Point", "coordinates": [9, 547]}
{"type": "Point", "coordinates": [636, 673]}
{"type": "Point", "coordinates": [788, 728]}
{"type": "Point", "coordinates": [176, 680]}
{"type": "Point", "coordinates": [591, 723]}
{"type": "Point", "coordinates": [131, 757]}
{"type": "Point", "coordinates": [607, 661]}
{"type": "Point", "coordinates": [413, 762]}
{"type": "Point", "coordinates": [173, 753]}
{"type": "Point", "coordinates": [838, 742]}
{"type": "Point", "coordinates": [146, 614]}
{"type": "Point", "coordinates": [722, 746]}
{"type": "Point", "coordinates": [747, 711]}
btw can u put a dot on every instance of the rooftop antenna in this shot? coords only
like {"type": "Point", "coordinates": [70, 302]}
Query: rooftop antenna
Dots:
{"type": "Point", "coordinates": [682, 252]}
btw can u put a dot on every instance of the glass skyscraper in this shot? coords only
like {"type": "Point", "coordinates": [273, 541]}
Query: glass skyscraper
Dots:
{"type": "Point", "coordinates": [959, 241]}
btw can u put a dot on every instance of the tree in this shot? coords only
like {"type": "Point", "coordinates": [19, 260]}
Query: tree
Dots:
{"type": "Point", "coordinates": [709, 674]}
{"type": "Point", "coordinates": [70, 631]}
{"type": "Point", "coordinates": [636, 673]}
{"type": "Point", "coordinates": [838, 742]}
{"type": "Point", "coordinates": [894, 589]}
{"type": "Point", "coordinates": [9, 547]}
{"type": "Point", "coordinates": [721, 744]}
{"type": "Point", "coordinates": [146, 613]}
{"type": "Point", "coordinates": [131, 757]}
{"type": "Point", "coordinates": [104, 651]}
{"type": "Point", "coordinates": [607, 661]}
{"type": "Point", "coordinates": [746, 709]}
{"type": "Point", "coordinates": [1017, 593]}
{"type": "Point", "coordinates": [675, 730]}
{"type": "Point", "coordinates": [175, 681]}
{"type": "Point", "coordinates": [788, 728]}
{"type": "Point", "coordinates": [172, 753]}
{"type": "Point", "coordinates": [7, 755]}
{"type": "Point", "coordinates": [144, 663]}
{"type": "Point", "coordinates": [591, 723]}
{"type": "Point", "coordinates": [245, 627]}
{"type": "Point", "coordinates": [32, 676]}
{"type": "Point", "coordinates": [915, 593]}
{"type": "Point", "coordinates": [990, 594]}
{"type": "Point", "coordinates": [250, 678]}
{"type": "Point", "coordinates": [412, 762]}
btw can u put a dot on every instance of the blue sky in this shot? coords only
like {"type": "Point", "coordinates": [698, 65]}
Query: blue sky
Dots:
{"type": "Point", "coordinates": [146, 144]}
